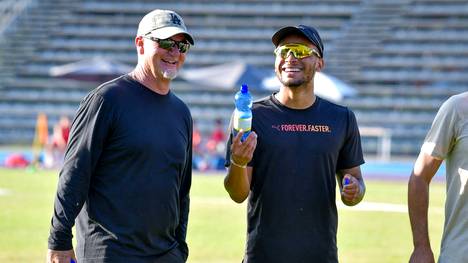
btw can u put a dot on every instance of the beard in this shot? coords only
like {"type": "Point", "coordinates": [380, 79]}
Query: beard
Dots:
{"type": "Point", "coordinates": [293, 83]}
{"type": "Point", "coordinates": [170, 73]}
{"type": "Point", "coordinates": [296, 82]}
{"type": "Point", "coordinates": [290, 83]}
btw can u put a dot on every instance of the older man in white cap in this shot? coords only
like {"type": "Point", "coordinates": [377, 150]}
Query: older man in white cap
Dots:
{"type": "Point", "coordinates": [127, 170]}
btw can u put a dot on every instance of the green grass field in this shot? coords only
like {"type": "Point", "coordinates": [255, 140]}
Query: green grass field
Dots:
{"type": "Point", "coordinates": [217, 225]}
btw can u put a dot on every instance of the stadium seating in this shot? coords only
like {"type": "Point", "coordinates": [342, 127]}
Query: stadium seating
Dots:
{"type": "Point", "coordinates": [405, 57]}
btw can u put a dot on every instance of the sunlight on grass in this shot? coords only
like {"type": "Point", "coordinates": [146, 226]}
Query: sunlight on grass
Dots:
{"type": "Point", "coordinates": [217, 225]}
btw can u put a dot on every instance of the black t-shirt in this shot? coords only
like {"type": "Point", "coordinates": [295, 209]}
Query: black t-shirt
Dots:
{"type": "Point", "coordinates": [128, 170]}
{"type": "Point", "coordinates": [292, 214]}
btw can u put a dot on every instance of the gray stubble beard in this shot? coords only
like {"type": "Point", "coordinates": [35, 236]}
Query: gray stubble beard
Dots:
{"type": "Point", "coordinates": [170, 74]}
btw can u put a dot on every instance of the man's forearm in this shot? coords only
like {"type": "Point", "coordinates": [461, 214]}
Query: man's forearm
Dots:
{"type": "Point", "coordinates": [60, 241]}
{"type": "Point", "coordinates": [418, 202]}
{"type": "Point", "coordinates": [181, 231]}
{"type": "Point", "coordinates": [237, 183]}
{"type": "Point", "coordinates": [67, 205]}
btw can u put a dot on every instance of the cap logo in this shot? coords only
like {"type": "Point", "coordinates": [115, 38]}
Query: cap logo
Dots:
{"type": "Point", "coordinates": [175, 19]}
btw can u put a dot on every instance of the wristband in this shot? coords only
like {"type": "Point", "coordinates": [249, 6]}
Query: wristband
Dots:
{"type": "Point", "coordinates": [238, 165]}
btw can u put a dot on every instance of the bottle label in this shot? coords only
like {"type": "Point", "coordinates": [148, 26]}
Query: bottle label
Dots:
{"type": "Point", "coordinates": [242, 123]}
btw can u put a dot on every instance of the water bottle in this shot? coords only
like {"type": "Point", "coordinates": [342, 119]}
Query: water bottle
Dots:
{"type": "Point", "coordinates": [243, 113]}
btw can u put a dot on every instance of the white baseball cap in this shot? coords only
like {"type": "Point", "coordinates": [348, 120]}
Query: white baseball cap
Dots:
{"type": "Point", "coordinates": [163, 24]}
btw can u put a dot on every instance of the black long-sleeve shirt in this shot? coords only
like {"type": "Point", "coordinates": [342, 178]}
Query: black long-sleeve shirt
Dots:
{"type": "Point", "coordinates": [126, 176]}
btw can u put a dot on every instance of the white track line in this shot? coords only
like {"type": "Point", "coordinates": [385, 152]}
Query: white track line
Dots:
{"type": "Point", "coordinates": [4, 192]}
{"type": "Point", "coordinates": [383, 207]}
{"type": "Point", "coordinates": [363, 206]}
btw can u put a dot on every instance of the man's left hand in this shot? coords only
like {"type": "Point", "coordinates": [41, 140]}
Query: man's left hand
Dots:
{"type": "Point", "coordinates": [351, 191]}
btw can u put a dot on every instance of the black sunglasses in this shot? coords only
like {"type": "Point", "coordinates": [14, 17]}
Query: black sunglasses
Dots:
{"type": "Point", "coordinates": [168, 43]}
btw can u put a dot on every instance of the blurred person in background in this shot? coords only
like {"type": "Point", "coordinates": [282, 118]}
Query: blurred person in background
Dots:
{"type": "Point", "coordinates": [217, 135]}
{"type": "Point", "coordinates": [65, 124]}
{"type": "Point", "coordinates": [446, 140]}
{"type": "Point", "coordinates": [55, 148]}
{"type": "Point", "coordinates": [127, 170]}
{"type": "Point", "coordinates": [300, 145]}
{"type": "Point", "coordinates": [216, 146]}
{"type": "Point", "coordinates": [198, 156]}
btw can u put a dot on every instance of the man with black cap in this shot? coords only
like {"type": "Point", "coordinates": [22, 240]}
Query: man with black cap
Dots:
{"type": "Point", "coordinates": [288, 164]}
{"type": "Point", "coordinates": [127, 170]}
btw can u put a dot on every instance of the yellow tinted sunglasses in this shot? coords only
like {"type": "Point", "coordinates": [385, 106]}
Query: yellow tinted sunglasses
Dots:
{"type": "Point", "coordinates": [298, 50]}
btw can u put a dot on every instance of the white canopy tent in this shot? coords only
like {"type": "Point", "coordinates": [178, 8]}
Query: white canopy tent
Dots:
{"type": "Point", "coordinates": [233, 74]}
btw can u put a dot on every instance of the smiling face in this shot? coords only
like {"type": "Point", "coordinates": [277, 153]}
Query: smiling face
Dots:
{"type": "Point", "coordinates": [164, 64]}
{"type": "Point", "coordinates": [293, 72]}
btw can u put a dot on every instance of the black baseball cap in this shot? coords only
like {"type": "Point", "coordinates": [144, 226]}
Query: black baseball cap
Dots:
{"type": "Point", "coordinates": [307, 31]}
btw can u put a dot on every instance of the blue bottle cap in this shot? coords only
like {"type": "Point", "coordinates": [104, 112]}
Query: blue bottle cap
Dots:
{"type": "Point", "coordinates": [244, 88]}
{"type": "Point", "coordinates": [346, 181]}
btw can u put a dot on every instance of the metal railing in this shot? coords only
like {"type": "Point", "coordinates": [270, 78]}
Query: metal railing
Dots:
{"type": "Point", "coordinates": [384, 136]}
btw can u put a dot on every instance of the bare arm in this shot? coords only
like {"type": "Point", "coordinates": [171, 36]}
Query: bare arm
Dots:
{"type": "Point", "coordinates": [237, 182]}
{"type": "Point", "coordinates": [239, 176]}
{"type": "Point", "coordinates": [418, 201]}
{"type": "Point", "coordinates": [353, 192]}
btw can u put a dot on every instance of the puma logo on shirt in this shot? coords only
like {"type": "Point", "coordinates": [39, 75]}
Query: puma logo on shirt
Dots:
{"type": "Point", "coordinates": [302, 128]}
